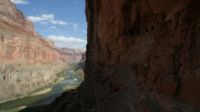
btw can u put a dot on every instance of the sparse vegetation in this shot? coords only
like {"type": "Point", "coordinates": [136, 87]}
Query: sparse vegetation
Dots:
{"type": "Point", "coordinates": [69, 74]}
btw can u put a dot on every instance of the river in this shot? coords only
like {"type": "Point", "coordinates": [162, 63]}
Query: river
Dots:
{"type": "Point", "coordinates": [71, 80]}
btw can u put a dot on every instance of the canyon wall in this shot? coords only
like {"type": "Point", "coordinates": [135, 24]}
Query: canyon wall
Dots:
{"type": "Point", "coordinates": [9, 13]}
{"type": "Point", "coordinates": [72, 55]}
{"type": "Point", "coordinates": [142, 56]}
{"type": "Point", "coordinates": [27, 62]}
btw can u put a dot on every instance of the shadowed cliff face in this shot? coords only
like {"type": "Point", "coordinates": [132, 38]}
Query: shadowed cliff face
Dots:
{"type": "Point", "coordinates": [142, 56]}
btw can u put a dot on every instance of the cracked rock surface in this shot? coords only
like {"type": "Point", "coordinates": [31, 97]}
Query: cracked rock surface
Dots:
{"type": "Point", "coordinates": [142, 56]}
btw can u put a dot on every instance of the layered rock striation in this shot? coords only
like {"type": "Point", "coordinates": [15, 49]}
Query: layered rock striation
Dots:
{"type": "Point", "coordinates": [72, 55]}
{"type": "Point", "coordinates": [142, 56]}
{"type": "Point", "coordinates": [10, 14]}
{"type": "Point", "coordinates": [27, 62]}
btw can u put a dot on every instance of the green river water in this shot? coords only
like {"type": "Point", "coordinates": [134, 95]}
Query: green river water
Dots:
{"type": "Point", "coordinates": [71, 80]}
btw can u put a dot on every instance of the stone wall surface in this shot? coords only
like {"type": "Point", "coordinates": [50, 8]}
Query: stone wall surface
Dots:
{"type": "Point", "coordinates": [142, 56]}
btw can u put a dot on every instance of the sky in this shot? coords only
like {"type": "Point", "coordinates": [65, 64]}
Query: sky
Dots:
{"type": "Point", "coordinates": [62, 21]}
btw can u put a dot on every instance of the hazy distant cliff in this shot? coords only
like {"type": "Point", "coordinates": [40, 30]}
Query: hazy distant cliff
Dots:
{"type": "Point", "coordinates": [27, 62]}
{"type": "Point", "coordinates": [72, 55]}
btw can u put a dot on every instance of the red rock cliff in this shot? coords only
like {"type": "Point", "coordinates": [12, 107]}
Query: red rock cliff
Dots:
{"type": "Point", "coordinates": [142, 56]}
{"type": "Point", "coordinates": [72, 55]}
{"type": "Point", "coordinates": [19, 43]}
{"type": "Point", "coordinates": [10, 14]}
{"type": "Point", "coordinates": [27, 62]}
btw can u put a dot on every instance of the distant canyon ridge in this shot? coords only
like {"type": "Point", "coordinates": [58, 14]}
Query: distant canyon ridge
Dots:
{"type": "Point", "coordinates": [27, 61]}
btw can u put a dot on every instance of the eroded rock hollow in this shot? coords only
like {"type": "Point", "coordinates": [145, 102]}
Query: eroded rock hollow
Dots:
{"type": "Point", "coordinates": [142, 56]}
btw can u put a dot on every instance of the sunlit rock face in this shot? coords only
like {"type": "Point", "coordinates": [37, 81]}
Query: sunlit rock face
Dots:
{"type": "Point", "coordinates": [27, 62]}
{"type": "Point", "coordinates": [10, 14]}
{"type": "Point", "coordinates": [72, 55]}
{"type": "Point", "coordinates": [142, 56]}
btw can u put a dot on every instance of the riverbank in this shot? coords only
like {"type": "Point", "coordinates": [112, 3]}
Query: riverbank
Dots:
{"type": "Point", "coordinates": [18, 81]}
{"type": "Point", "coordinates": [69, 79]}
